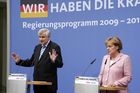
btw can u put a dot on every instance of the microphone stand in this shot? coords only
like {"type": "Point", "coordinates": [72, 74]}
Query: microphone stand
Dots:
{"type": "Point", "coordinates": [28, 87]}
{"type": "Point", "coordinates": [88, 67]}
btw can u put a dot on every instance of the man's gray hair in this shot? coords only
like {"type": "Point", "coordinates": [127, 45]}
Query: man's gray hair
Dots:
{"type": "Point", "coordinates": [44, 30]}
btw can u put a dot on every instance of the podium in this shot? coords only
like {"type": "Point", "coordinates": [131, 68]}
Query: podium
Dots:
{"type": "Point", "coordinates": [16, 83]}
{"type": "Point", "coordinates": [86, 85]}
{"type": "Point", "coordinates": [91, 85]}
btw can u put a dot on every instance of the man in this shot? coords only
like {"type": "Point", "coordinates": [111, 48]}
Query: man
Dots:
{"type": "Point", "coordinates": [46, 58]}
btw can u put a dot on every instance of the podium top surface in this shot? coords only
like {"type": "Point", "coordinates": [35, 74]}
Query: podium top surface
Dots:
{"type": "Point", "coordinates": [39, 83]}
{"type": "Point", "coordinates": [112, 88]}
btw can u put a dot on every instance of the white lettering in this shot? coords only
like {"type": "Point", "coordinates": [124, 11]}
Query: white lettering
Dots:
{"type": "Point", "coordinates": [137, 2]}
{"type": "Point", "coordinates": [78, 6]}
{"type": "Point", "coordinates": [129, 3]}
{"type": "Point", "coordinates": [86, 5]}
{"type": "Point", "coordinates": [54, 7]}
{"type": "Point", "coordinates": [27, 8]}
{"type": "Point", "coordinates": [33, 8]}
{"type": "Point", "coordinates": [98, 4]}
{"type": "Point", "coordinates": [110, 4]}
{"type": "Point", "coordinates": [63, 7]}
{"type": "Point", "coordinates": [41, 7]}
{"type": "Point", "coordinates": [71, 6]}
{"type": "Point", "coordinates": [103, 4]}
{"type": "Point", "coordinates": [120, 4]}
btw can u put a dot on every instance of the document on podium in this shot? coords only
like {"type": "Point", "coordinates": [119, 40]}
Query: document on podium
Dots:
{"type": "Point", "coordinates": [86, 84]}
{"type": "Point", "coordinates": [16, 83]}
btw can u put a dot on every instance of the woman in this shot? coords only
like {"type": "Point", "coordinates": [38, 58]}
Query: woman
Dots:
{"type": "Point", "coordinates": [116, 67]}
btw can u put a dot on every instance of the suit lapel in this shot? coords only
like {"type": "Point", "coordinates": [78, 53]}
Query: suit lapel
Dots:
{"type": "Point", "coordinates": [38, 52]}
{"type": "Point", "coordinates": [116, 60]}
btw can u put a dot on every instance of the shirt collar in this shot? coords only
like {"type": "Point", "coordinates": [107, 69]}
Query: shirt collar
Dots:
{"type": "Point", "coordinates": [46, 44]}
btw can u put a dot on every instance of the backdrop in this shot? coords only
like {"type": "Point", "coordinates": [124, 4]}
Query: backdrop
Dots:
{"type": "Point", "coordinates": [80, 27]}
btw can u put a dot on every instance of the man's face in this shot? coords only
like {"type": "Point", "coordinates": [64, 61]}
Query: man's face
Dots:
{"type": "Point", "coordinates": [43, 38]}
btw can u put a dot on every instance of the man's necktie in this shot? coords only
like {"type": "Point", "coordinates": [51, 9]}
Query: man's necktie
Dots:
{"type": "Point", "coordinates": [42, 51]}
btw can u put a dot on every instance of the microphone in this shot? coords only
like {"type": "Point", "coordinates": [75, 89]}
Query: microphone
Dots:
{"type": "Point", "coordinates": [105, 61]}
{"type": "Point", "coordinates": [88, 67]}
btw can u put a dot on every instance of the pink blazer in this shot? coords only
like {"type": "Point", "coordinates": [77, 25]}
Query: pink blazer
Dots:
{"type": "Point", "coordinates": [118, 73]}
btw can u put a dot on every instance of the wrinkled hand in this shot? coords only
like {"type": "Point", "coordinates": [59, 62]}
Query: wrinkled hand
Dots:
{"type": "Point", "coordinates": [15, 57]}
{"type": "Point", "coordinates": [53, 55]}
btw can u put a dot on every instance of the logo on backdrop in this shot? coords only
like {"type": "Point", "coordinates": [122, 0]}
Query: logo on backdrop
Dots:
{"type": "Point", "coordinates": [33, 8]}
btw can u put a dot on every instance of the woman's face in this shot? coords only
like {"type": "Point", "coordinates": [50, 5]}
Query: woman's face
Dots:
{"type": "Point", "coordinates": [112, 49]}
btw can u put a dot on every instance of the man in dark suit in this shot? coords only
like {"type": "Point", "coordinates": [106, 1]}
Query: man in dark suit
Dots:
{"type": "Point", "coordinates": [46, 58]}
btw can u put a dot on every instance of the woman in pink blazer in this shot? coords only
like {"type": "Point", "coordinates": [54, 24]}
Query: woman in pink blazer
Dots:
{"type": "Point", "coordinates": [116, 67]}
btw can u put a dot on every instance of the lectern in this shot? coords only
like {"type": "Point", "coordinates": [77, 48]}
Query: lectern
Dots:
{"type": "Point", "coordinates": [86, 84]}
{"type": "Point", "coordinates": [91, 85]}
{"type": "Point", "coordinates": [16, 83]}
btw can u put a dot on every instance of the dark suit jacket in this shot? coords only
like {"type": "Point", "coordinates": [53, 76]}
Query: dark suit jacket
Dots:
{"type": "Point", "coordinates": [44, 69]}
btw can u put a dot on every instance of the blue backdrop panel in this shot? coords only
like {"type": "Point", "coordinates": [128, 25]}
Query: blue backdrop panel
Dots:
{"type": "Point", "coordinates": [80, 28]}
